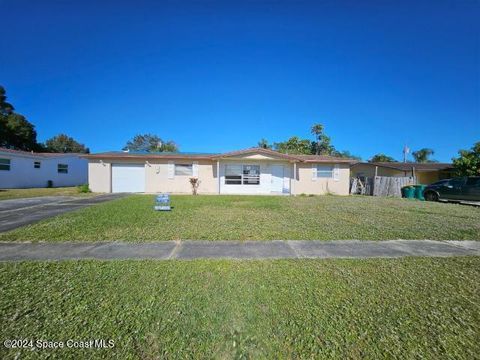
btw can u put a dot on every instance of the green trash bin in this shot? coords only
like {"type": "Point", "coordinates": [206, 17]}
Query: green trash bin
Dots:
{"type": "Point", "coordinates": [408, 192]}
{"type": "Point", "coordinates": [419, 192]}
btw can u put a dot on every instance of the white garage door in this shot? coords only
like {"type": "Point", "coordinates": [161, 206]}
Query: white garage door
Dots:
{"type": "Point", "coordinates": [128, 178]}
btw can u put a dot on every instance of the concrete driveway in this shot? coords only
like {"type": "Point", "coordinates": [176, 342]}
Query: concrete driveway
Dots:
{"type": "Point", "coordinates": [20, 212]}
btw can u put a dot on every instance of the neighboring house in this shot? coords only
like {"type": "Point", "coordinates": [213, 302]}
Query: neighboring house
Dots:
{"type": "Point", "coordinates": [250, 171]}
{"type": "Point", "coordinates": [426, 173]}
{"type": "Point", "coordinates": [23, 169]}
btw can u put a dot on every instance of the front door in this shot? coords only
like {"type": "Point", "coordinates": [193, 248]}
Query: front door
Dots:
{"type": "Point", "coordinates": [277, 179]}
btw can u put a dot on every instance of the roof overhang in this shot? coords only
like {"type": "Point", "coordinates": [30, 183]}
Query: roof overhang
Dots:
{"type": "Point", "coordinates": [266, 153]}
{"type": "Point", "coordinates": [128, 156]}
{"type": "Point", "coordinates": [250, 154]}
{"type": "Point", "coordinates": [409, 166]}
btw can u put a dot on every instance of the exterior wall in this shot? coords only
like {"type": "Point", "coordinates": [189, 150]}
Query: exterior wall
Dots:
{"type": "Point", "coordinates": [265, 177]}
{"type": "Point", "coordinates": [22, 173]}
{"type": "Point", "coordinates": [254, 157]}
{"type": "Point", "coordinates": [100, 176]}
{"type": "Point", "coordinates": [427, 177]}
{"type": "Point", "coordinates": [423, 177]}
{"type": "Point", "coordinates": [369, 171]}
{"type": "Point", "coordinates": [157, 179]}
{"type": "Point", "coordinates": [305, 184]}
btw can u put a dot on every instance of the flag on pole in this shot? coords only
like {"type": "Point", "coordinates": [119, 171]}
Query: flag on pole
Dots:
{"type": "Point", "coordinates": [406, 150]}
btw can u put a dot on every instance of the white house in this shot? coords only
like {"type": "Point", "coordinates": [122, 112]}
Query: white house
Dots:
{"type": "Point", "coordinates": [23, 169]}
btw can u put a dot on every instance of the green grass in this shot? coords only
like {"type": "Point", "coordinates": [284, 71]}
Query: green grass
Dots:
{"type": "Point", "coordinates": [6, 194]}
{"type": "Point", "coordinates": [396, 308]}
{"type": "Point", "coordinates": [259, 218]}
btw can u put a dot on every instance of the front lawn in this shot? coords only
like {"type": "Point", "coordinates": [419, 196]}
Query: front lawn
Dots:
{"type": "Point", "coordinates": [395, 308]}
{"type": "Point", "coordinates": [259, 218]}
{"type": "Point", "coordinates": [6, 194]}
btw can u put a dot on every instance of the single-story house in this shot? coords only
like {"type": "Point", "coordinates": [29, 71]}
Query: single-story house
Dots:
{"type": "Point", "coordinates": [426, 173]}
{"type": "Point", "coordinates": [24, 169]}
{"type": "Point", "coordinates": [250, 171]}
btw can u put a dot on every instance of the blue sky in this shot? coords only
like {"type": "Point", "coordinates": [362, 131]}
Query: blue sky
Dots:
{"type": "Point", "coordinates": [218, 76]}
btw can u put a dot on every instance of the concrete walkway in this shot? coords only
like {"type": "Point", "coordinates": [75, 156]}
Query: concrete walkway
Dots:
{"type": "Point", "coordinates": [20, 212]}
{"type": "Point", "coordinates": [279, 249]}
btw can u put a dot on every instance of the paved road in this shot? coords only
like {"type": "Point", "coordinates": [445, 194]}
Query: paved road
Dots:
{"type": "Point", "coordinates": [236, 249]}
{"type": "Point", "coordinates": [20, 212]}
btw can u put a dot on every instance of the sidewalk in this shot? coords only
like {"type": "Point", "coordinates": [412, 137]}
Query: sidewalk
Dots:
{"type": "Point", "coordinates": [278, 249]}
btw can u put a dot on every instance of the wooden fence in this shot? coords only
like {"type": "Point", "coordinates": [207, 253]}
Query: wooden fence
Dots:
{"type": "Point", "coordinates": [381, 185]}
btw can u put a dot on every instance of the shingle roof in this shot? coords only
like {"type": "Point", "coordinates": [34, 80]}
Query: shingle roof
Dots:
{"type": "Point", "coordinates": [37, 154]}
{"type": "Point", "coordinates": [408, 166]}
{"type": "Point", "coordinates": [148, 155]}
{"type": "Point", "coordinates": [257, 150]}
{"type": "Point", "coordinates": [325, 158]}
{"type": "Point", "coordinates": [210, 156]}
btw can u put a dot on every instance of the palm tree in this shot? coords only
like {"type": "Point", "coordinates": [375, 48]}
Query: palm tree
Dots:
{"type": "Point", "coordinates": [381, 158]}
{"type": "Point", "coordinates": [422, 155]}
{"type": "Point", "coordinates": [263, 143]}
{"type": "Point", "coordinates": [317, 130]}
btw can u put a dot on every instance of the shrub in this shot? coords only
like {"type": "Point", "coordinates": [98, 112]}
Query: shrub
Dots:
{"type": "Point", "coordinates": [83, 188]}
{"type": "Point", "coordinates": [195, 183]}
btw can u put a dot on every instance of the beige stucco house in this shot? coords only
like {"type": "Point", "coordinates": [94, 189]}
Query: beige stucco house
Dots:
{"type": "Point", "coordinates": [425, 173]}
{"type": "Point", "coordinates": [250, 171]}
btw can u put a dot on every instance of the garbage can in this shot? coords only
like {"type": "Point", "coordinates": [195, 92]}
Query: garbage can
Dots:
{"type": "Point", "coordinates": [408, 192]}
{"type": "Point", "coordinates": [419, 192]}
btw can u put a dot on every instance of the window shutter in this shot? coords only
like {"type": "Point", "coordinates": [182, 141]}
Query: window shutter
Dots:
{"type": "Point", "coordinates": [195, 169]}
{"type": "Point", "coordinates": [314, 172]}
{"type": "Point", "coordinates": [171, 169]}
{"type": "Point", "coordinates": [336, 173]}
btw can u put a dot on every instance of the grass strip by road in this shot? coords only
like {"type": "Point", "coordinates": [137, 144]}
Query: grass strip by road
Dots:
{"type": "Point", "coordinates": [395, 308]}
{"type": "Point", "coordinates": [259, 218]}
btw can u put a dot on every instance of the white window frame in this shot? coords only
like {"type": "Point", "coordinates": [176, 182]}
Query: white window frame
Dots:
{"type": "Point", "coordinates": [182, 168]}
{"type": "Point", "coordinates": [319, 171]}
{"type": "Point", "coordinates": [240, 178]}
{"type": "Point", "coordinates": [4, 163]}
{"type": "Point", "coordinates": [324, 171]}
{"type": "Point", "coordinates": [62, 168]}
{"type": "Point", "coordinates": [35, 164]}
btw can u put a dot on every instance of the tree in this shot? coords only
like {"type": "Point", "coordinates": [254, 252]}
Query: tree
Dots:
{"type": "Point", "coordinates": [150, 143]}
{"type": "Point", "coordinates": [19, 133]}
{"type": "Point", "coordinates": [263, 143]}
{"type": "Point", "coordinates": [5, 107]}
{"type": "Point", "coordinates": [16, 131]}
{"type": "Point", "coordinates": [294, 145]}
{"type": "Point", "coordinates": [322, 145]}
{"type": "Point", "coordinates": [381, 158]}
{"type": "Point", "coordinates": [468, 162]}
{"type": "Point", "coordinates": [63, 143]}
{"type": "Point", "coordinates": [422, 155]}
{"type": "Point", "coordinates": [346, 154]}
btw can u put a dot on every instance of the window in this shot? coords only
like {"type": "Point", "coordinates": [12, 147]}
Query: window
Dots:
{"type": "Point", "coordinates": [457, 182]}
{"type": "Point", "coordinates": [441, 183]}
{"type": "Point", "coordinates": [5, 164]}
{"type": "Point", "coordinates": [233, 174]}
{"type": "Point", "coordinates": [324, 171]}
{"type": "Point", "coordinates": [62, 168]}
{"type": "Point", "coordinates": [36, 164]}
{"type": "Point", "coordinates": [242, 174]}
{"type": "Point", "coordinates": [251, 174]}
{"type": "Point", "coordinates": [473, 182]}
{"type": "Point", "coordinates": [183, 169]}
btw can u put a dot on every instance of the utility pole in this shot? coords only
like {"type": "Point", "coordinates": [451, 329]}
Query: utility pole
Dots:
{"type": "Point", "coordinates": [406, 150]}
